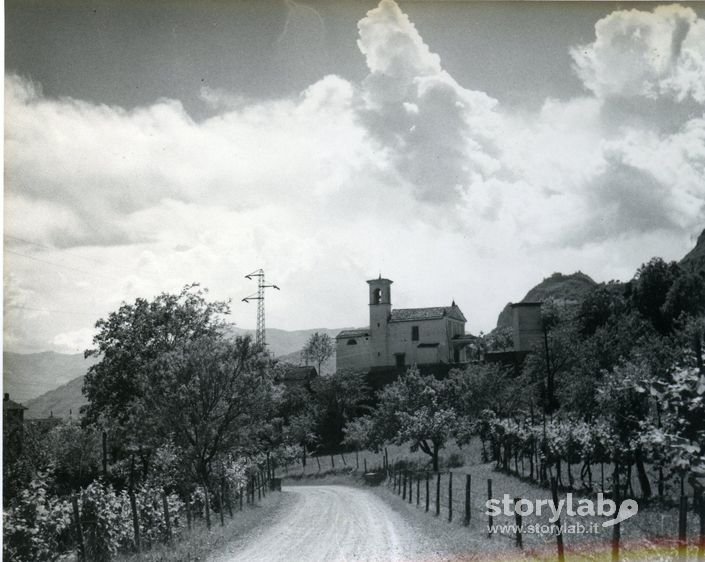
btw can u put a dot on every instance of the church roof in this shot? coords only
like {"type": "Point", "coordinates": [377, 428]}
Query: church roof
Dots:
{"type": "Point", "coordinates": [431, 313]}
{"type": "Point", "coordinates": [353, 333]}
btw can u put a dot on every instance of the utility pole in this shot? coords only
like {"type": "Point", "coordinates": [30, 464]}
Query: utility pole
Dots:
{"type": "Point", "coordinates": [259, 297]}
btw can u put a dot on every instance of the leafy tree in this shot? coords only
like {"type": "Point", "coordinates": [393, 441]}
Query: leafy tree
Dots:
{"type": "Point", "coordinates": [210, 395]}
{"type": "Point", "coordinates": [338, 399]}
{"type": "Point", "coordinates": [318, 349]}
{"type": "Point", "coordinates": [128, 343]}
{"type": "Point", "coordinates": [416, 409]}
{"type": "Point", "coordinates": [650, 287]}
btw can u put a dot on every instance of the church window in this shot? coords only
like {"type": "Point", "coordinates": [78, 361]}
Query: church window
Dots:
{"type": "Point", "coordinates": [414, 333]}
{"type": "Point", "coordinates": [377, 296]}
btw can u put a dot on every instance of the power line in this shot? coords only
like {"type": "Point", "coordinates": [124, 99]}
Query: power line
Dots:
{"type": "Point", "coordinates": [54, 249]}
{"type": "Point", "coordinates": [48, 262]}
{"type": "Point", "coordinates": [72, 312]}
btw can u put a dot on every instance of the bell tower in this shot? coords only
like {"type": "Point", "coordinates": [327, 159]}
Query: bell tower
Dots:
{"type": "Point", "coordinates": [380, 310]}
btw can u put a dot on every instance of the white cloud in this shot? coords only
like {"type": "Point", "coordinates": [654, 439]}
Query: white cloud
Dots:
{"type": "Point", "coordinates": [406, 173]}
{"type": "Point", "coordinates": [646, 54]}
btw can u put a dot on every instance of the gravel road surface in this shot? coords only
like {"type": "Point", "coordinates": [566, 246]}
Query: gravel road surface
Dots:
{"type": "Point", "coordinates": [330, 523]}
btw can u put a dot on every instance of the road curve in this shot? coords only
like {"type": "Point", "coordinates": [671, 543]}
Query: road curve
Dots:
{"type": "Point", "coordinates": [331, 523]}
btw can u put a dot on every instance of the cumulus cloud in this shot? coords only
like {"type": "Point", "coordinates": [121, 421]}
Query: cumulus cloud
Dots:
{"type": "Point", "coordinates": [407, 172]}
{"type": "Point", "coordinates": [438, 134]}
{"type": "Point", "coordinates": [645, 54]}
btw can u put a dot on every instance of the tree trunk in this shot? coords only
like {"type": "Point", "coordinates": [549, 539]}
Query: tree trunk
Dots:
{"type": "Point", "coordinates": [644, 483]}
{"type": "Point", "coordinates": [434, 457]}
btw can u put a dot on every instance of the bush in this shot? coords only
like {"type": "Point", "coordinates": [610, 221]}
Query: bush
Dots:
{"type": "Point", "coordinates": [37, 524]}
{"type": "Point", "coordinates": [454, 460]}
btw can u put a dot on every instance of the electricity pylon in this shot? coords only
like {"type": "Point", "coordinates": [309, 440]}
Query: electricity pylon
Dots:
{"type": "Point", "coordinates": [259, 297]}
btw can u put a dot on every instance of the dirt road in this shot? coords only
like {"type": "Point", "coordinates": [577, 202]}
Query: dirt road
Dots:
{"type": "Point", "coordinates": [330, 523]}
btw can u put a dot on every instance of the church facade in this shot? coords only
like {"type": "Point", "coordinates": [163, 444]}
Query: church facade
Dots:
{"type": "Point", "coordinates": [402, 337]}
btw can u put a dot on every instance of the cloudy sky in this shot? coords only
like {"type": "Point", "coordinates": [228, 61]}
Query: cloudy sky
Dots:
{"type": "Point", "coordinates": [464, 150]}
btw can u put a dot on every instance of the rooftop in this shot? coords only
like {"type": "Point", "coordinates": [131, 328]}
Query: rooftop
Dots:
{"type": "Point", "coordinates": [431, 313]}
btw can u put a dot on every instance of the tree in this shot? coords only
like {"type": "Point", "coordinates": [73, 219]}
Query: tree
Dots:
{"type": "Point", "coordinates": [337, 400]}
{"type": "Point", "coordinates": [318, 349]}
{"type": "Point", "coordinates": [650, 288]}
{"type": "Point", "coordinates": [416, 409]}
{"type": "Point", "coordinates": [210, 395]}
{"type": "Point", "coordinates": [132, 338]}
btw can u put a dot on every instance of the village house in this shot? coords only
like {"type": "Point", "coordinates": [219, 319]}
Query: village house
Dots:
{"type": "Point", "coordinates": [404, 336]}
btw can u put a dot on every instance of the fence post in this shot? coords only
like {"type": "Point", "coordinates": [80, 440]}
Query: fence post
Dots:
{"type": "Point", "coordinates": [468, 482]}
{"type": "Point", "coordinates": [450, 496]}
{"type": "Point", "coordinates": [167, 521]}
{"type": "Point", "coordinates": [517, 523]}
{"type": "Point", "coordinates": [208, 507]}
{"type": "Point", "coordinates": [427, 491]}
{"type": "Point", "coordinates": [682, 526]}
{"type": "Point", "coordinates": [343, 457]}
{"type": "Point", "coordinates": [263, 483]}
{"type": "Point", "coordinates": [364, 462]}
{"type": "Point", "coordinates": [240, 497]}
{"type": "Point", "coordinates": [438, 494]}
{"type": "Point", "coordinates": [79, 530]}
{"type": "Point", "coordinates": [616, 529]}
{"type": "Point", "coordinates": [135, 520]}
{"type": "Point", "coordinates": [559, 536]}
{"type": "Point", "coordinates": [220, 508]}
{"type": "Point", "coordinates": [258, 483]}
{"type": "Point", "coordinates": [404, 495]}
{"type": "Point", "coordinates": [701, 541]}
{"type": "Point", "coordinates": [418, 489]}
{"type": "Point", "coordinates": [332, 461]}
{"type": "Point", "coordinates": [489, 517]}
{"type": "Point", "coordinates": [411, 485]}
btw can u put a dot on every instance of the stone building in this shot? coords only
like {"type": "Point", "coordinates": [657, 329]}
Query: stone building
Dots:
{"type": "Point", "coordinates": [404, 336]}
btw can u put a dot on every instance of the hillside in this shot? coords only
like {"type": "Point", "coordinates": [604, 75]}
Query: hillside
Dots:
{"type": "Point", "coordinates": [695, 259]}
{"type": "Point", "coordinates": [568, 288]}
{"type": "Point", "coordinates": [58, 402]}
{"type": "Point", "coordinates": [29, 375]}
{"type": "Point", "coordinates": [63, 394]}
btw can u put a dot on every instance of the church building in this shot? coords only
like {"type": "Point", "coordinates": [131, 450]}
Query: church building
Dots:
{"type": "Point", "coordinates": [404, 336]}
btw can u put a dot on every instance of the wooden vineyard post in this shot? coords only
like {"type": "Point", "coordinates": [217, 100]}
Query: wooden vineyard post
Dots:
{"type": "Point", "coordinates": [240, 497]}
{"type": "Point", "coordinates": [79, 530]}
{"type": "Point", "coordinates": [167, 520]}
{"type": "Point", "coordinates": [489, 517]}
{"type": "Point", "coordinates": [682, 526]}
{"type": "Point", "coordinates": [365, 464]}
{"type": "Point", "coordinates": [318, 461]}
{"type": "Point", "coordinates": [701, 538]}
{"type": "Point", "coordinates": [438, 494]}
{"type": "Point", "coordinates": [208, 507]}
{"type": "Point", "coordinates": [615, 529]}
{"type": "Point", "coordinates": [263, 484]}
{"type": "Point", "coordinates": [467, 499]}
{"type": "Point", "coordinates": [135, 520]}
{"type": "Point", "coordinates": [404, 492]}
{"type": "Point", "coordinates": [427, 491]}
{"type": "Point", "coordinates": [559, 535]}
{"type": "Point", "coordinates": [411, 486]}
{"type": "Point", "coordinates": [332, 462]}
{"type": "Point", "coordinates": [418, 489]}
{"type": "Point", "coordinates": [517, 523]}
{"type": "Point", "coordinates": [220, 509]}
{"type": "Point", "coordinates": [450, 497]}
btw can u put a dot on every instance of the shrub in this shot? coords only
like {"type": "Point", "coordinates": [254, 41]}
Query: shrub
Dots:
{"type": "Point", "coordinates": [454, 460]}
{"type": "Point", "coordinates": [36, 524]}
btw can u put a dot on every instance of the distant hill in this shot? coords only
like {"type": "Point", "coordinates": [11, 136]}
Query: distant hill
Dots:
{"type": "Point", "coordinates": [29, 375]}
{"type": "Point", "coordinates": [695, 259]}
{"type": "Point", "coordinates": [61, 376]}
{"type": "Point", "coordinates": [59, 402]}
{"type": "Point", "coordinates": [567, 288]}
